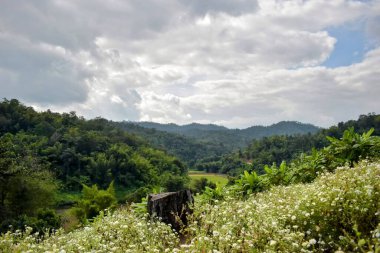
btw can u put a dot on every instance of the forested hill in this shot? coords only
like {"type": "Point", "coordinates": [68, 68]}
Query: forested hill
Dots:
{"type": "Point", "coordinates": [275, 149]}
{"type": "Point", "coordinates": [218, 133]}
{"type": "Point", "coordinates": [42, 150]}
{"type": "Point", "coordinates": [280, 128]}
{"type": "Point", "coordinates": [178, 129]}
{"type": "Point", "coordinates": [197, 142]}
{"type": "Point", "coordinates": [188, 149]}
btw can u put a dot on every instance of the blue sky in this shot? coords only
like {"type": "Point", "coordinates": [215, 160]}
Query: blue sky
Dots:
{"type": "Point", "coordinates": [351, 46]}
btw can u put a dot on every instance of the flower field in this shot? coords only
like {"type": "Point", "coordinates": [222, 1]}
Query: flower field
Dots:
{"type": "Point", "coordinates": [338, 212]}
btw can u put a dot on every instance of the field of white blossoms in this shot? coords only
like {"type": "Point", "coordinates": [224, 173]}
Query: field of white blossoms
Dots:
{"type": "Point", "coordinates": [338, 212]}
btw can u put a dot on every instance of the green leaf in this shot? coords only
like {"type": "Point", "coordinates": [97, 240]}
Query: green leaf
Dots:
{"type": "Point", "coordinates": [361, 242]}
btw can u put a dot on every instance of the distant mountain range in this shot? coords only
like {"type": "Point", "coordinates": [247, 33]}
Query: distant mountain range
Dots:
{"type": "Point", "coordinates": [196, 141]}
{"type": "Point", "coordinates": [214, 132]}
{"type": "Point", "coordinates": [180, 129]}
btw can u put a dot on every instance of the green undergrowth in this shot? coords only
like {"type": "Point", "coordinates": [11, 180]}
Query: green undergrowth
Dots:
{"type": "Point", "coordinates": [67, 198]}
{"type": "Point", "coordinates": [338, 212]}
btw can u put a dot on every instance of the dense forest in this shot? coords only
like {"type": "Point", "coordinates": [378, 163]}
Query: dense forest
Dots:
{"type": "Point", "coordinates": [215, 133]}
{"type": "Point", "coordinates": [188, 149]}
{"type": "Point", "coordinates": [197, 142]}
{"type": "Point", "coordinates": [45, 153]}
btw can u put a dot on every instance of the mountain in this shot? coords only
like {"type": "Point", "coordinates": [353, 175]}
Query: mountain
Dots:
{"type": "Point", "coordinates": [280, 128]}
{"type": "Point", "coordinates": [194, 129]}
{"type": "Point", "coordinates": [199, 142]}
{"type": "Point", "coordinates": [178, 129]}
{"type": "Point", "coordinates": [188, 149]}
{"type": "Point", "coordinates": [218, 149]}
{"type": "Point", "coordinates": [278, 148]}
{"type": "Point", "coordinates": [231, 138]}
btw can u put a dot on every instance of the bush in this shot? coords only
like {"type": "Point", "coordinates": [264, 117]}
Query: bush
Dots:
{"type": "Point", "coordinates": [46, 220]}
{"type": "Point", "coordinates": [93, 201]}
{"type": "Point", "coordinates": [345, 151]}
{"type": "Point", "coordinates": [199, 185]}
{"type": "Point", "coordinates": [137, 195]}
{"type": "Point", "coordinates": [174, 183]}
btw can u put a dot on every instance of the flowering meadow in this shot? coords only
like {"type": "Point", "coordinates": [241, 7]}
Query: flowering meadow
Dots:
{"type": "Point", "coordinates": [338, 212]}
{"type": "Point", "coordinates": [123, 231]}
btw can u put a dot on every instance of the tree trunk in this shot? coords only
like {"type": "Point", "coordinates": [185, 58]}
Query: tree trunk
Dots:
{"type": "Point", "coordinates": [171, 207]}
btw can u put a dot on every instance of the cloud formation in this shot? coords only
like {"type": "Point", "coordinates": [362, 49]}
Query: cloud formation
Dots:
{"type": "Point", "coordinates": [236, 63]}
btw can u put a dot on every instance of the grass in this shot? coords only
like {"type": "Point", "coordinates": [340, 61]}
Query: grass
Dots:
{"type": "Point", "coordinates": [219, 179]}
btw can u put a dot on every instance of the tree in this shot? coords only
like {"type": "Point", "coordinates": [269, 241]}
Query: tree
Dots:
{"type": "Point", "coordinates": [25, 182]}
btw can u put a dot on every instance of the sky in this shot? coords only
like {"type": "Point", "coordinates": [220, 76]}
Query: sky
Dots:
{"type": "Point", "coordinates": [235, 63]}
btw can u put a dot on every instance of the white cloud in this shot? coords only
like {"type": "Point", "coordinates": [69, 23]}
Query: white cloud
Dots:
{"type": "Point", "coordinates": [237, 63]}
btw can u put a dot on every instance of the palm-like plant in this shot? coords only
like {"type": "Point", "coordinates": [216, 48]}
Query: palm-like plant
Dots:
{"type": "Point", "coordinates": [352, 146]}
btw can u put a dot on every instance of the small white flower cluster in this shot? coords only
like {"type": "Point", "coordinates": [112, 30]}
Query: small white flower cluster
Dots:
{"type": "Point", "coordinates": [122, 231]}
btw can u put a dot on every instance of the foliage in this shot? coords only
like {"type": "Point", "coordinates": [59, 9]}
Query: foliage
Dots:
{"type": "Point", "coordinates": [172, 183]}
{"type": "Point", "coordinates": [94, 201]}
{"type": "Point", "coordinates": [140, 208]}
{"type": "Point", "coordinates": [40, 151]}
{"type": "Point", "coordinates": [250, 182]}
{"type": "Point", "coordinates": [82, 151]}
{"type": "Point", "coordinates": [278, 148]}
{"type": "Point", "coordinates": [200, 145]}
{"type": "Point", "coordinates": [137, 195]}
{"type": "Point", "coordinates": [198, 185]}
{"type": "Point", "coordinates": [353, 146]}
{"type": "Point", "coordinates": [188, 149]}
{"type": "Point", "coordinates": [348, 150]}
{"type": "Point", "coordinates": [46, 220]}
{"type": "Point", "coordinates": [337, 212]}
{"type": "Point", "coordinates": [26, 185]}
{"type": "Point", "coordinates": [212, 195]}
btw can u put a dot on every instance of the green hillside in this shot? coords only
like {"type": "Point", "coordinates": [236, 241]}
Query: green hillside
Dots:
{"type": "Point", "coordinates": [45, 154]}
{"type": "Point", "coordinates": [231, 138]}
{"type": "Point", "coordinates": [278, 148]}
{"type": "Point", "coordinates": [194, 143]}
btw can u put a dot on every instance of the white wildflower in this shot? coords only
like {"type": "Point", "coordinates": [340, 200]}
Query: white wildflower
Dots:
{"type": "Point", "coordinates": [272, 242]}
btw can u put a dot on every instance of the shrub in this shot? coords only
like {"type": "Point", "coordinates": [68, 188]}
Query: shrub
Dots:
{"type": "Point", "coordinates": [93, 201]}
{"type": "Point", "coordinates": [199, 185]}
{"type": "Point", "coordinates": [46, 220]}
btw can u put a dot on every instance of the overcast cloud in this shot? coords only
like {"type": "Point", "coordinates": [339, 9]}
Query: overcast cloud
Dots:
{"type": "Point", "coordinates": [232, 62]}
